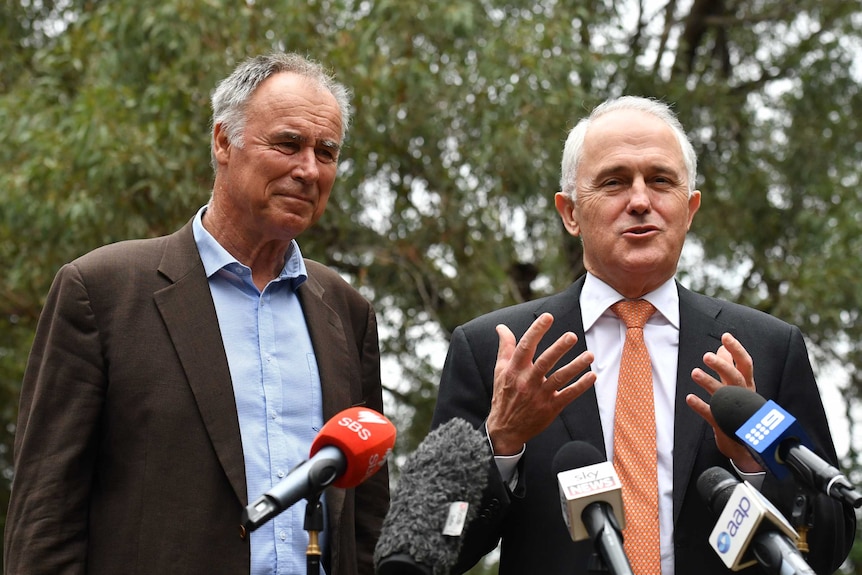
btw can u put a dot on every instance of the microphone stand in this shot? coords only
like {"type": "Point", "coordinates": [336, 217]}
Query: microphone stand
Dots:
{"type": "Point", "coordinates": [596, 565]}
{"type": "Point", "coordinates": [314, 525]}
{"type": "Point", "coordinates": [801, 518]}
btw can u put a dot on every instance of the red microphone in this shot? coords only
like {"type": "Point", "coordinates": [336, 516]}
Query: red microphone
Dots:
{"type": "Point", "coordinates": [350, 448]}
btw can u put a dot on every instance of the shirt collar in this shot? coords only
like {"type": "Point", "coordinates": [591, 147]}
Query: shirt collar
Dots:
{"type": "Point", "coordinates": [597, 297]}
{"type": "Point", "coordinates": [215, 257]}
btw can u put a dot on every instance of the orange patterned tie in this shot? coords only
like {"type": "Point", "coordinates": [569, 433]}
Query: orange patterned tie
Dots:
{"type": "Point", "coordinates": [634, 442]}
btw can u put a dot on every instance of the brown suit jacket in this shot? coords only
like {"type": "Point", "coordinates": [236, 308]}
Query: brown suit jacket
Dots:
{"type": "Point", "coordinates": [127, 452]}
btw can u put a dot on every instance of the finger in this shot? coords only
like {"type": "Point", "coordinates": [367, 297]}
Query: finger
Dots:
{"type": "Point", "coordinates": [740, 357]}
{"type": "Point", "coordinates": [506, 345]}
{"type": "Point", "coordinates": [724, 366]}
{"type": "Point", "coordinates": [526, 347]}
{"type": "Point", "coordinates": [571, 392]}
{"type": "Point", "coordinates": [706, 381]}
{"type": "Point", "coordinates": [563, 376]}
{"type": "Point", "coordinates": [549, 358]}
{"type": "Point", "coordinates": [700, 407]}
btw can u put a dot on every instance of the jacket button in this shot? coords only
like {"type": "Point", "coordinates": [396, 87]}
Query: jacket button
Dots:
{"type": "Point", "coordinates": [242, 532]}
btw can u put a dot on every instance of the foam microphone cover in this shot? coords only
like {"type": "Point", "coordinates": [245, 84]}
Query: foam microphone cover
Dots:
{"type": "Point", "coordinates": [364, 436]}
{"type": "Point", "coordinates": [715, 486]}
{"type": "Point", "coordinates": [450, 465]}
{"type": "Point", "coordinates": [733, 406]}
{"type": "Point", "coordinates": [576, 454]}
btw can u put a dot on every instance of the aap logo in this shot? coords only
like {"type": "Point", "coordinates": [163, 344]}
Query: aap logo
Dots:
{"type": "Point", "coordinates": [723, 543]}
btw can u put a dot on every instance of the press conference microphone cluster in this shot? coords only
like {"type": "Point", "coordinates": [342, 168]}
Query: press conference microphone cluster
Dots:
{"type": "Point", "coordinates": [438, 494]}
{"type": "Point", "coordinates": [591, 497]}
{"type": "Point", "coordinates": [749, 529]}
{"type": "Point", "coordinates": [350, 448]}
{"type": "Point", "coordinates": [777, 440]}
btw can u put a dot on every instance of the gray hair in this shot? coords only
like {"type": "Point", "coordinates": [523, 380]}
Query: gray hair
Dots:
{"type": "Point", "coordinates": [574, 149]}
{"type": "Point", "coordinates": [232, 94]}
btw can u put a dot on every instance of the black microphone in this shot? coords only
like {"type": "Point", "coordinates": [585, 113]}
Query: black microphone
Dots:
{"type": "Point", "coordinates": [438, 494]}
{"type": "Point", "coordinates": [749, 529]}
{"type": "Point", "coordinates": [591, 497]}
{"type": "Point", "coordinates": [777, 441]}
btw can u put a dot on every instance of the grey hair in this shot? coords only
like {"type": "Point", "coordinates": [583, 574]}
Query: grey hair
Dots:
{"type": "Point", "coordinates": [574, 148]}
{"type": "Point", "coordinates": [232, 94]}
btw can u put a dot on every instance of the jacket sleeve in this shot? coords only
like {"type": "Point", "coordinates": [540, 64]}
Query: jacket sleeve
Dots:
{"type": "Point", "coordinates": [832, 523]}
{"type": "Point", "coordinates": [465, 391]}
{"type": "Point", "coordinates": [56, 436]}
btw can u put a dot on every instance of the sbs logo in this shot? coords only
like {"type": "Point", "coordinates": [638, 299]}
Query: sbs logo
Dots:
{"type": "Point", "coordinates": [371, 417]}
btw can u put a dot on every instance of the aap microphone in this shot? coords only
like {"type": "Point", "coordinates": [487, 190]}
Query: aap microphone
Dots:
{"type": "Point", "coordinates": [438, 493]}
{"type": "Point", "coordinates": [591, 497]}
{"type": "Point", "coordinates": [777, 441]}
{"type": "Point", "coordinates": [749, 529]}
{"type": "Point", "coordinates": [350, 448]}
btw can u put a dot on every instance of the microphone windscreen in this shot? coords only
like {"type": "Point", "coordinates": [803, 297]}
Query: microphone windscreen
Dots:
{"type": "Point", "coordinates": [450, 465]}
{"type": "Point", "coordinates": [364, 436]}
{"type": "Point", "coordinates": [715, 486]}
{"type": "Point", "coordinates": [576, 454]}
{"type": "Point", "coordinates": [732, 406]}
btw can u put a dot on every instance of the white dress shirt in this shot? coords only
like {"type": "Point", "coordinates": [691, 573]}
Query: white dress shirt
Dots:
{"type": "Point", "coordinates": [606, 334]}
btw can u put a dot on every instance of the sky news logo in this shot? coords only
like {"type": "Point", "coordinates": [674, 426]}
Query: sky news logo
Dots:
{"type": "Point", "coordinates": [598, 484]}
{"type": "Point", "coordinates": [761, 430]}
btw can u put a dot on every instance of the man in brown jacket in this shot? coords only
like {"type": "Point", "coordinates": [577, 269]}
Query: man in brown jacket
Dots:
{"type": "Point", "coordinates": [173, 380]}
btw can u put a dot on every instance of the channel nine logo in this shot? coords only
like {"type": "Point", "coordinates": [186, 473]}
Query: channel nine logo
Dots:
{"type": "Point", "coordinates": [761, 429]}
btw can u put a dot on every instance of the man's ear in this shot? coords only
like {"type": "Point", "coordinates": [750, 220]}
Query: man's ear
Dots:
{"type": "Point", "coordinates": [566, 208]}
{"type": "Point", "coordinates": [221, 144]}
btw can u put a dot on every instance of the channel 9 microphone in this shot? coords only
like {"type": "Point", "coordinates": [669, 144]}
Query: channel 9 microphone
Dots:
{"type": "Point", "coordinates": [777, 441]}
{"type": "Point", "coordinates": [438, 494]}
{"type": "Point", "coordinates": [749, 529]}
{"type": "Point", "coordinates": [592, 502]}
{"type": "Point", "coordinates": [350, 448]}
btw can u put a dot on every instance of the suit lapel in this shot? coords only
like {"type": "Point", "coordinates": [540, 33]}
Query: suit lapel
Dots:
{"type": "Point", "coordinates": [580, 417]}
{"type": "Point", "coordinates": [699, 332]}
{"type": "Point", "coordinates": [189, 314]}
{"type": "Point", "coordinates": [330, 350]}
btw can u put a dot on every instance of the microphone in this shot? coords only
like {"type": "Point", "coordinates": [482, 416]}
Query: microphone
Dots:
{"type": "Point", "coordinates": [777, 441]}
{"type": "Point", "coordinates": [350, 448]}
{"type": "Point", "coordinates": [591, 498]}
{"type": "Point", "coordinates": [438, 493]}
{"type": "Point", "coordinates": [749, 529]}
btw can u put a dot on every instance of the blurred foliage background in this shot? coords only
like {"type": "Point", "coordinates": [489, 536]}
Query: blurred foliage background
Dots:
{"type": "Point", "coordinates": [444, 205]}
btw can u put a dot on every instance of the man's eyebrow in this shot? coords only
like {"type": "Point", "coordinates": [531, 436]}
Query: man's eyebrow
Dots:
{"type": "Point", "coordinates": [330, 144]}
{"type": "Point", "coordinates": [617, 169]}
{"type": "Point", "coordinates": [300, 139]}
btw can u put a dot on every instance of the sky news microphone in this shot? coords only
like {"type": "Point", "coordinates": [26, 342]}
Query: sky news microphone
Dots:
{"type": "Point", "coordinates": [350, 448]}
{"type": "Point", "coordinates": [777, 441]}
{"type": "Point", "coordinates": [750, 530]}
{"type": "Point", "coordinates": [592, 502]}
{"type": "Point", "coordinates": [438, 494]}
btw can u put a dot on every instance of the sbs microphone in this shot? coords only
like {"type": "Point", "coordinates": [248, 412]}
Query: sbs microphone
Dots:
{"type": "Point", "coordinates": [591, 498]}
{"type": "Point", "coordinates": [777, 441]}
{"type": "Point", "coordinates": [749, 530]}
{"type": "Point", "coordinates": [438, 493]}
{"type": "Point", "coordinates": [350, 448]}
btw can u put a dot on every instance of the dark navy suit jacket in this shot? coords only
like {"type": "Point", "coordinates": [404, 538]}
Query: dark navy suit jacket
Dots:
{"type": "Point", "coordinates": [529, 519]}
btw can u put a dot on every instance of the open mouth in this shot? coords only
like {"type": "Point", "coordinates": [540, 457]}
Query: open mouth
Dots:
{"type": "Point", "coordinates": [640, 231]}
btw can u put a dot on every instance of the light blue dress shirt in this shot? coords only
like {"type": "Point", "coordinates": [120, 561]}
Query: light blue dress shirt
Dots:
{"type": "Point", "coordinates": [276, 386]}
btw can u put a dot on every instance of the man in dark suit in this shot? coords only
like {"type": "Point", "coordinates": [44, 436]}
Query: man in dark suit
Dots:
{"type": "Point", "coordinates": [543, 373]}
{"type": "Point", "coordinates": [173, 380]}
